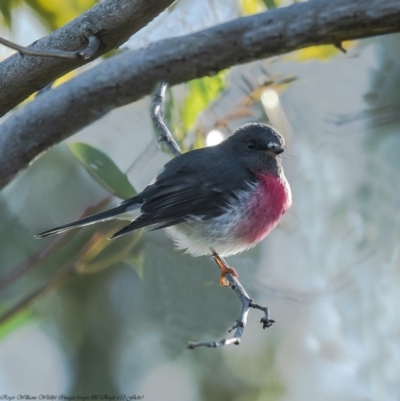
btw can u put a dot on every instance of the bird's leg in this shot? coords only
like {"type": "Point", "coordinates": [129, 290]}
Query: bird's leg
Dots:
{"type": "Point", "coordinates": [225, 269]}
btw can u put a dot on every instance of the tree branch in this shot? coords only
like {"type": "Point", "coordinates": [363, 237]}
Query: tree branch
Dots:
{"type": "Point", "coordinates": [112, 22]}
{"type": "Point", "coordinates": [59, 113]}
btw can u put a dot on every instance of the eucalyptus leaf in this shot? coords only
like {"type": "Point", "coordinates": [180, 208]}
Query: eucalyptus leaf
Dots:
{"type": "Point", "coordinates": [103, 170]}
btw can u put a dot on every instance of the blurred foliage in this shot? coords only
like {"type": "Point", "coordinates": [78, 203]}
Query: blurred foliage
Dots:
{"type": "Point", "coordinates": [6, 7]}
{"type": "Point", "coordinates": [252, 6]}
{"type": "Point", "coordinates": [55, 13]}
{"type": "Point", "coordinates": [324, 52]}
{"type": "Point", "coordinates": [63, 79]}
{"type": "Point", "coordinates": [182, 109]}
{"type": "Point", "coordinates": [82, 252]}
{"type": "Point", "coordinates": [12, 324]}
{"type": "Point", "coordinates": [201, 92]}
{"type": "Point", "coordinates": [101, 253]}
{"type": "Point", "coordinates": [255, 6]}
{"type": "Point", "coordinates": [103, 170]}
{"type": "Point", "coordinates": [271, 3]}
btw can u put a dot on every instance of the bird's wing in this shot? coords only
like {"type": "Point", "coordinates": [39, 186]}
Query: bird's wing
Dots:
{"type": "Point", "coordinates": [186, 189]}
{"type": "Point", "coordinates": [173, 201]}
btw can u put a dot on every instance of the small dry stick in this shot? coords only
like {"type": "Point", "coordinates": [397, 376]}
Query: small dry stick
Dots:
{"type": "Point", "coordinates": [90, 50]}
{"type": "Point", "coordinates": [246, 302]}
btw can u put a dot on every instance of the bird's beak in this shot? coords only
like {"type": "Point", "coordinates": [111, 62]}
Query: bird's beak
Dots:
{"type": "Point", "coordinates": [275, 152]}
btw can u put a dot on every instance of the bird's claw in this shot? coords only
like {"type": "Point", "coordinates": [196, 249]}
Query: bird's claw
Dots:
{"type": "Point", "coordinates": [266, 322]}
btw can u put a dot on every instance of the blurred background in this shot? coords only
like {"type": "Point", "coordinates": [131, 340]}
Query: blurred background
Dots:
{"type": "Point", "coordinates": [85, 316]}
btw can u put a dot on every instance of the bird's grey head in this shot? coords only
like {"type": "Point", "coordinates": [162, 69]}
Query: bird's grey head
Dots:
{"type": "Point", "coordinates": [257, 147]}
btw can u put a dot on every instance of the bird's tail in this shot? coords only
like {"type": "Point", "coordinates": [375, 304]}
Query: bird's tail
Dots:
{"type": "Point", "coordinates": [95, 218]}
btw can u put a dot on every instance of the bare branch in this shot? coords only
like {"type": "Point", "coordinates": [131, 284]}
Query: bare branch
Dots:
{"type": "Point", "coordinates": [90, 50]}
{"type": "Point", "coordinates": [111, 21]}
{"type": "Point", "coordinates": [157, 115]}
{"type": "Point", "coordinates": [59, 113]}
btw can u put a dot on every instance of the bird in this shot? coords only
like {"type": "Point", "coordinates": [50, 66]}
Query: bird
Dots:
{"type": "Point", "coordinates": [219, 200]}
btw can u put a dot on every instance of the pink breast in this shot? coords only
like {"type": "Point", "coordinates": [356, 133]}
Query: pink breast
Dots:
{"type": "Point", "coordinates": [270, 200]}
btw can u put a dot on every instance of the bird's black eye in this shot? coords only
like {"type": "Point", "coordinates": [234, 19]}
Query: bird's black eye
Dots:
{"type": "Point", "coordinates": [251, 145]}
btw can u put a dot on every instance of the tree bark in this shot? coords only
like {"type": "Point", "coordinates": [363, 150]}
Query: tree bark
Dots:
{"type": "Point", "coordinates": [113, 21]}
{"type": "Point", "coordinates": [125, 78]}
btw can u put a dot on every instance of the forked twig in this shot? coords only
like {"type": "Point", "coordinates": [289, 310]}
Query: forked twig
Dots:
{"type": "Point", "coordinates": [88, 52]}
{"type": "Point", "coordinates": [246, 302]}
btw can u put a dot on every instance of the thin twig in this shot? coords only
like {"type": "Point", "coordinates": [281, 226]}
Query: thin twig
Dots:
{"type": "Point", "coordinates": [90, 50]}
{"type": "Point", "coordinates": [157, 115]}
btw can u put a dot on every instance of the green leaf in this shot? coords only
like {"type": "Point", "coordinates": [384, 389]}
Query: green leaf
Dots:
{"type": "Point", "coordinates": [12, 324]}
{"type": "Point", "coordinates": [103, 170]}
{"type": "Point", "coordinates": [5, 10]}
{"type": "Point", "coordinates": [270, 4]}
{"type": "Point", "coordinates": [57, 13]}
{"type": "Point", "coordinates": [137, 262]}
{"type": "Point", "coordinates": [169, 107]}
{"type": "Point", "coordinates": [251, 6]}
{"type": "Point", "coordinates": [54, 13]}
{"type": "Point", "coordinates": [201, 92]}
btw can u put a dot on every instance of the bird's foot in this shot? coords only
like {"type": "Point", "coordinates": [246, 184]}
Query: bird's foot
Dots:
{"type": "Point", "coordinates": [225, 269]}
{"type": "Point", "coordinates": [266, 322]}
